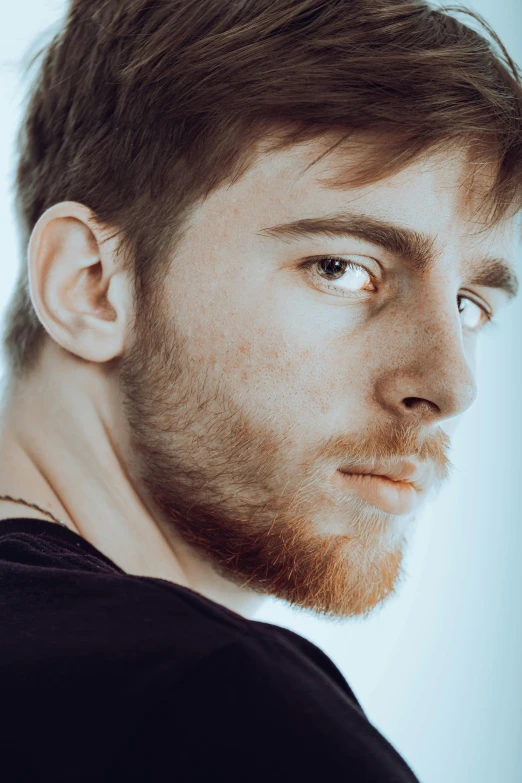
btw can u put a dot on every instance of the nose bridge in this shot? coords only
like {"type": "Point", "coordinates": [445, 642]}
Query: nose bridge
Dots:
{"type": "Point", "coordinates": [430, 361]}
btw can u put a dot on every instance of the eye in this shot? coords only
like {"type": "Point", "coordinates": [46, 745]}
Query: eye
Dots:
{"type": "Point", "coordinates": [348, 276]}
{"type": "Point", "coordinates": [473, 316]}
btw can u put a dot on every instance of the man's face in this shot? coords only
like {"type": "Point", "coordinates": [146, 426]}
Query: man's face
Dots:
{"type": "Point", "coordinates": [277, 358]}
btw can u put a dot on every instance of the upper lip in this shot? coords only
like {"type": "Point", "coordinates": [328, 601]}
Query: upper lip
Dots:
{"type": "Point", "coordinates": [404, 470]}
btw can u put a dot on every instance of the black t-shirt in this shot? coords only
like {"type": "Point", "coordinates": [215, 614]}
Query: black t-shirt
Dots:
{"type": "Point", "coordinates": [107, 676]}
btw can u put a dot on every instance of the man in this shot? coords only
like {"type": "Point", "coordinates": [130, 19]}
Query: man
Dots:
{"type": "Point", "coordinates": [263, 239]}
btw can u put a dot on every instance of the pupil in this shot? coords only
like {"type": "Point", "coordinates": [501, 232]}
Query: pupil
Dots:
{"type": "Point", "coordinates": [328, 262]}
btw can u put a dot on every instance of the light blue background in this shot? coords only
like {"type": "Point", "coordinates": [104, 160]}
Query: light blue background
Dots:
{"type": "Point", "coordinates": [438, 667]}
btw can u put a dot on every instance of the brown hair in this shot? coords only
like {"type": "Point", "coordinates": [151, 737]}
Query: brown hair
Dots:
{"type": "Point", "coordinates": [143, 107]}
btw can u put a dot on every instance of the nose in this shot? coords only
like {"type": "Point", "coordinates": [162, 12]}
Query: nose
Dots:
{"type": "Point", "coordinates": [428, 373]}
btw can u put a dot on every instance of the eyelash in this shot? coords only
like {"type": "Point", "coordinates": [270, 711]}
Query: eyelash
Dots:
{"type": "Point", "coordinates": [490, 319]}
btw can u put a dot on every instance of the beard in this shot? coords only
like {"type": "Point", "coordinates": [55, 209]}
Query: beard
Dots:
{"type": "Point", "coordinates": [220, 477]}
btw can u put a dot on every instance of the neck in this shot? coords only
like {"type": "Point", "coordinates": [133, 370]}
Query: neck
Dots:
{"type": "Point", "coordinates": [63, 447]}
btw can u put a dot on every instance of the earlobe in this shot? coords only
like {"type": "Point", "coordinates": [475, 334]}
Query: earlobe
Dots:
{"type": "Point", "coordinates": [78, 291]}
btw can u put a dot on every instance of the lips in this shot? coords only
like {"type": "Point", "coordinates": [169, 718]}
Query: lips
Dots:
{"type": "Point", "coordinates": [404, 471]}
{"type": "Point", "coordinates": [395, 487]}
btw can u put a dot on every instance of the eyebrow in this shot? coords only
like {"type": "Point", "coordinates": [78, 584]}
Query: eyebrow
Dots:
{"type": "Point", "coordinates": [416, 248]}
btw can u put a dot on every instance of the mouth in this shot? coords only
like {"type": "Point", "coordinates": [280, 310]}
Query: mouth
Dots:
{"type": "Point", "coordinates": [398, 489]}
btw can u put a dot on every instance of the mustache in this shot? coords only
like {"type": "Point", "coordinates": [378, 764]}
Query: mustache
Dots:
{"type": "Point", "coordinates": [396, 440]}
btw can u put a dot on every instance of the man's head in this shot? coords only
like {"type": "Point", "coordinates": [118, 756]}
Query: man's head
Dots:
{"type": "Point", "coordinates": [313, 202]}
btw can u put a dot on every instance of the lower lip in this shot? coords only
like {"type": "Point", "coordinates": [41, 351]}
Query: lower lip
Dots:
{"type": "Point", "coordinates": [395, 497]}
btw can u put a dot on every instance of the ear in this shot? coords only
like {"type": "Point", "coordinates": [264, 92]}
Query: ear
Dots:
{"type": "Point", "coordinates": [77, 286]}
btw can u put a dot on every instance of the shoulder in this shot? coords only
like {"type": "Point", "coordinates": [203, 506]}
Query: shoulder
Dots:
{"type": "Point", "coordinates": [253, 709]}
{"type": "Point", "coordinates": [311, 653]}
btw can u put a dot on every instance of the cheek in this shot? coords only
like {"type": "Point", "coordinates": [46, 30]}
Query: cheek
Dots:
{"type": "Point", "coordinates": [276, 356]}
{"type": "Point", "coordinates": [305, 379]}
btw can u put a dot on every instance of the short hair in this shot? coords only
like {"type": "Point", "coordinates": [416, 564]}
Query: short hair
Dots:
{"type": "Point", "coordinates": [142, 108]}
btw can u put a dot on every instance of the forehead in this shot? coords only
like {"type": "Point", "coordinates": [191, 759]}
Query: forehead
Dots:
{"type": "Point", "coordinates": [437, 195]}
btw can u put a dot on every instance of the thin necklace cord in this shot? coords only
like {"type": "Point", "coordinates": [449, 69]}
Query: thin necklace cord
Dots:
{"type": "Point", "coordinates": [32, 505]}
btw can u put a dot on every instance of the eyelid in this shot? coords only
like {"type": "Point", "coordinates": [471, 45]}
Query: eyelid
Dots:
{"type": "Point", "coordinates": [490, 321]}
{"type": "Point", "coordinates": [478, 300]}
{"type": "Point", "coordinates": [365, 262]}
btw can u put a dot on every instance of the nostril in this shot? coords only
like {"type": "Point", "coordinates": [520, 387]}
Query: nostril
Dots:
{"type": "Point", "coordinates": [420, 404]}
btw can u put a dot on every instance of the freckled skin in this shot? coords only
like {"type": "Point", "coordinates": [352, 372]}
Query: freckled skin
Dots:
{"type": "Point", "coordinates": [229, 421]}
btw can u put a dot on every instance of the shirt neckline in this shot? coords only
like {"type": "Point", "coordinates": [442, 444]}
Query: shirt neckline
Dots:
{"type": "Point", "coordinates": [60, 532]}
{"type": "Point", "coordinates": [56, 531]}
